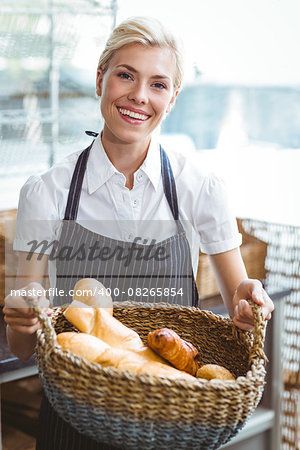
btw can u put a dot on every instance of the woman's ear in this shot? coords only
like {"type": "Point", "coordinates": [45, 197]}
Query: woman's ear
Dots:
{"type": "Point", "coordinates": [99, 79]}
{"type": "Point", "coordinates": [172, 101]}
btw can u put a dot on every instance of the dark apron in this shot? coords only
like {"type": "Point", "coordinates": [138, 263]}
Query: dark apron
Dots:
{"type": "Point", "coordinates": [130, 275]}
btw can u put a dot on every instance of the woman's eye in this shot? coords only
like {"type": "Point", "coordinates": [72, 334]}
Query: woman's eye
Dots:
{"type": "Point", "coordinates": [124, 75]}
{"type": "Point", "coordinates": [160, 85]}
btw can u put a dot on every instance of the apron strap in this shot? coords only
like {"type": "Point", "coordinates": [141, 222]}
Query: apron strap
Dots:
{"type": "Point", "coordinates": [171, 194]}
{"type": "Point", "coordinates": [77, 180]}
{"type": "Point", "coordinates": [76, 184]}
{"type": "Point", "coordinates": [169, 183]}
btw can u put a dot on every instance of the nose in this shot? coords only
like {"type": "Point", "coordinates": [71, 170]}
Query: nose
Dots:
{"type": "Point", "coordinates": [138, 93]}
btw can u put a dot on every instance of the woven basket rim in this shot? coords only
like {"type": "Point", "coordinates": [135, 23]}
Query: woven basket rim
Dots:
{"type": "Point", "coordinates": [139, 400]}
{"type": "Point", "coordinates": [197, 383]}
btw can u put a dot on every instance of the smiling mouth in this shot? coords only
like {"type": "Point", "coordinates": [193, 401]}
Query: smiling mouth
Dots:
{"type": "Point", "coordinates": [133, 115]}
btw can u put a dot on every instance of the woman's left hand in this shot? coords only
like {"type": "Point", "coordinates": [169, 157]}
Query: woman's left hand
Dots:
{"type": "Point", "coordinates": [250, 289]}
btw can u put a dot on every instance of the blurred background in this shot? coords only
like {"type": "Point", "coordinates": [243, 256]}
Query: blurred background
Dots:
{"type": "Point", "coordinates": [239, 108]}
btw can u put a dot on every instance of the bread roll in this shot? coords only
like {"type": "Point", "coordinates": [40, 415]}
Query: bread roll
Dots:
{"type": "Point", "coordinates": [82, 344]}
{"type": "Point", "coordinates": [137, 363]}
{"type": "Point", "coordinates": [98, 322]}
{"type": "Point", "coordinates": [128, 360]}
{"type": "Point", "coordinates": [120, 359]}
{"type": "Point", "coordinates": [162, 370]}
{"type": "Point", "coordinates": [91, 292]}
{"type": "Point", "coordinates": [211, 371]}
{"type": "Point", "coordinates": [182, 354]}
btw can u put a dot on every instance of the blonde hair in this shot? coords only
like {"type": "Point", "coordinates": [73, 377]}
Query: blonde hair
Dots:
{"type": "Point", "coordinates": [146, 31]}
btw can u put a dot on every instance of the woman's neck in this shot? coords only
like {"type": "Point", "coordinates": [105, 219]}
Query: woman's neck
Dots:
{"type": "Point", "coordinates": [126, 158]}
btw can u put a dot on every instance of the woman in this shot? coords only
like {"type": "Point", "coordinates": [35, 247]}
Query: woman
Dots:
{"type": "Point", "coordinates": [134, 217]}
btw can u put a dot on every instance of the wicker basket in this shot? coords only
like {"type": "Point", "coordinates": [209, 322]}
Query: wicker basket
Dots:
{"type": "Point", "coordinates": [148, 412]}
{"type": "Point", "coordinates": [253, 251]}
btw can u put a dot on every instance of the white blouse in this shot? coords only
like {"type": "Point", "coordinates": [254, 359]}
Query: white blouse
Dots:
{"type": "Point", "coordinates": [109, 208]}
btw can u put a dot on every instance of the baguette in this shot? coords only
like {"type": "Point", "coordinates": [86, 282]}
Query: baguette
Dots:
{"type": "Point", "coordinates": [91, 312]}
{"type": "Point", "coordinates": [82, 344]}
{"type": "Point", "coordinates": [98, 322]}
{"type": "Point", "coordinates": [97, 351]}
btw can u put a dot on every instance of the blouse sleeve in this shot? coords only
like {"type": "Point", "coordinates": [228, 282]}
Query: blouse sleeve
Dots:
{"type": "Point", "coordinates": [37, 218]}
{"type": "Point", "coordinates": [216, 224]}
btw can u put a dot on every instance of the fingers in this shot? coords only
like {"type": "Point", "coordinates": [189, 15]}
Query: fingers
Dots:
{"type": "Point", "coordinates": [257, 293]}
{"type": "Point", "coordinates": [21, 319]}
{"type": "Point", "coordinates": [22, 324]}
{"type": "Point", "coordinates": [25, 329]}
{"type": "Point", "coordinates": [18, 315]}
{"type": "Point", "coordinates": [267, 310]}
{"type": "Point", "coordinates": [17, 302]}
{"type": "Point", "coordinates": [260, 297]}
{"type": "Point", "coordinates": [267, 307]}
{"type": "Point", "coordinates": [253, 289]}
{"type": "Point", "coordinates": [243, 316]}
{"type": "Point", "coordinates": [30, 292]}
{"type": "Point", "coordinates": [243, 325]}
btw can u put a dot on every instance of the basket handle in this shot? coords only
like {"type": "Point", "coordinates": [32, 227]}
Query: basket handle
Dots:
{"type": "Point", "coordinates": [45, 322]}
{"type": "Point", "coordinates": [257, 349]}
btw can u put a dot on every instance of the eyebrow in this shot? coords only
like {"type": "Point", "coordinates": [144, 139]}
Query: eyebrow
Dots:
{"type": "Point", "coordinates": [132, 69]}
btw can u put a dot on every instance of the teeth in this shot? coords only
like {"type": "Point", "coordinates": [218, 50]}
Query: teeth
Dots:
{"type": "Point", "coordinates": [132, 114]}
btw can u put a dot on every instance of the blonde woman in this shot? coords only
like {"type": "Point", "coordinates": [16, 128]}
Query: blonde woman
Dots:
{"type": "Point", "coordinates": [126, 212]}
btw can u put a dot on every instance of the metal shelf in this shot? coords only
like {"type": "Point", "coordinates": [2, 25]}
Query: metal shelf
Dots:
{"type": "Point", "coordinates": [37, 28]}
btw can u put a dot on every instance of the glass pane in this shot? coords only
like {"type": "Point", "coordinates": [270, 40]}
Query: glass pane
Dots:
{"type": "Point", "coordinates": [48, 60]}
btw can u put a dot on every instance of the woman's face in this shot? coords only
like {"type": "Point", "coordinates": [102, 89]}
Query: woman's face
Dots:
{"type": "Point", "coordinates": [136, 91]}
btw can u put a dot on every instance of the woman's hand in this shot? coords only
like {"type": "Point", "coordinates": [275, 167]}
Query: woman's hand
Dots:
{"type": "Point", "coordinates": [250, 289]}
{"type": "Point", "coordinates": [18, 315]}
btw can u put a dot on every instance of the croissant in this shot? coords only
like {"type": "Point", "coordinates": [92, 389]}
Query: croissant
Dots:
{"type": "Point", "coordinates": [183, 355]}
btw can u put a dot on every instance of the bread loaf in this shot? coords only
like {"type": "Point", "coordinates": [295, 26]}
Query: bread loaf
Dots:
{"type": "Point", "coordinates": [214, 371]}
{"type": "Point", "coordinates": [182, 354]}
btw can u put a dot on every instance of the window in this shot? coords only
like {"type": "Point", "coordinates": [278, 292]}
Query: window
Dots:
{"type": "Point", "coordinates": [48, 60]}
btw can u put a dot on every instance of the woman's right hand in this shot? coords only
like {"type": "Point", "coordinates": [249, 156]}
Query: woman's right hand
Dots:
{"type": "Point", "coordinates": [18, 315]}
